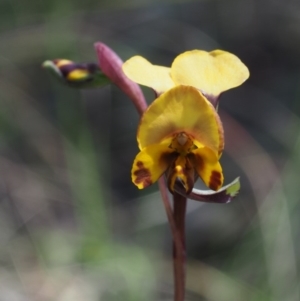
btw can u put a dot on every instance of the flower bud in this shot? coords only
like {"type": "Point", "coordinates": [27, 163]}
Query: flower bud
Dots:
{"type": "Point", "coordinates": [76, 75]}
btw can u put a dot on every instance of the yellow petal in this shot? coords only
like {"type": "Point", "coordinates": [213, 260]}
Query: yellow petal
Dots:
{"type": "Point", "coordinates": [150, 164]}
{"type": "Point", "coordinates": [143, 72]}
{"type": "Point", "coordinates": [208, 167]}
{"type": "Point", "coordinates": [78, 75]}
{"type": "Point", "coordinates": [210, 72]}
{"type": "Point", "coordinates": [62, 62]}
{"type": "Point", "coordinates": [181, 109]}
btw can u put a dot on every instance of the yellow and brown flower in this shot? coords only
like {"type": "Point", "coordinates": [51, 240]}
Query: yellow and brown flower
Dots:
{"type": "Point", "coordinates": [180, 134]}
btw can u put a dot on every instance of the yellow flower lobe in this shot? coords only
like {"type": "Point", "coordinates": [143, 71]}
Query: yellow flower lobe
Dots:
{"type": "Point", "coordinates": [143, 72]}
{"type": "Point", "coordinates": [211, 72]}
{"type": "Point", "coordinates": [181, 109]}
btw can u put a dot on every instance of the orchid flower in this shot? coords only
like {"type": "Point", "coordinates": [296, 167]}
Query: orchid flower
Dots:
{"type": "Point", "coordinates": [181, 134]}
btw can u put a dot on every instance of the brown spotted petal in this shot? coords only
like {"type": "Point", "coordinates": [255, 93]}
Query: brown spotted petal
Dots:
{"type": "Point", "coordinates": [222, 196]}
{"type": "Point", "coordinates": [150, 163]}
{"type": "Point", "coordinates": [208, 167]}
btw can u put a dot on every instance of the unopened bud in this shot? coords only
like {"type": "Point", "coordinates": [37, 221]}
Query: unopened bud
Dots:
{"type": "Point", "coordinates": [76, 75]}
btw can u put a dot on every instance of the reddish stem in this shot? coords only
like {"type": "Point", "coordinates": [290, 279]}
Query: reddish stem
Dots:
{"type": "Point", "coordinates": [169, 211]}
{"type": "Point", "coordinates": [179, 251]}
{"type": "Point", "coordinates": [176, 220]}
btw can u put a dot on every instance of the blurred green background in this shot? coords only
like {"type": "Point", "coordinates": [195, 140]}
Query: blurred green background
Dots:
{"type": "Point", "coordinates": [73, 226]}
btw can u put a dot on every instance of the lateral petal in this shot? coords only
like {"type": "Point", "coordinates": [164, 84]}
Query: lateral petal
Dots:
{"type": "Point", "coordinates": [150, 163]}
{"type": "Point", "coordinates": [208, 167]}
{"type": "Point", "coordinates": [210, 72]}
{"type": "Point", "coordinates": [143, 72]}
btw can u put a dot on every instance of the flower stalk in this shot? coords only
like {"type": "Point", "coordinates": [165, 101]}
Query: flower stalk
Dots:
{"type": "Point", "coordinates": [179, 250]}
{"type": "Point", "coordinates": [176, 219]}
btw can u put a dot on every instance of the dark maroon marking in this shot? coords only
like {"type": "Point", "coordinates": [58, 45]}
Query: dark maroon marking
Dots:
{"type": "Point", "coordinates": [143, 175]}
{"type": "Point", "coordinates": [140, 164]}
{"type": "Point", "coordinates": [168, 158]}
{"type": "Point", "coordinates": [196, 161]}
{"type": "Point", "coordinates": [215, 180]}
{"type": "Point", "coordinates": [187, 170]}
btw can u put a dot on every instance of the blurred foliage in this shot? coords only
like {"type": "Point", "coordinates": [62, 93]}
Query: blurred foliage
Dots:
{"type": "Point", "coordinates": [72, 225]}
